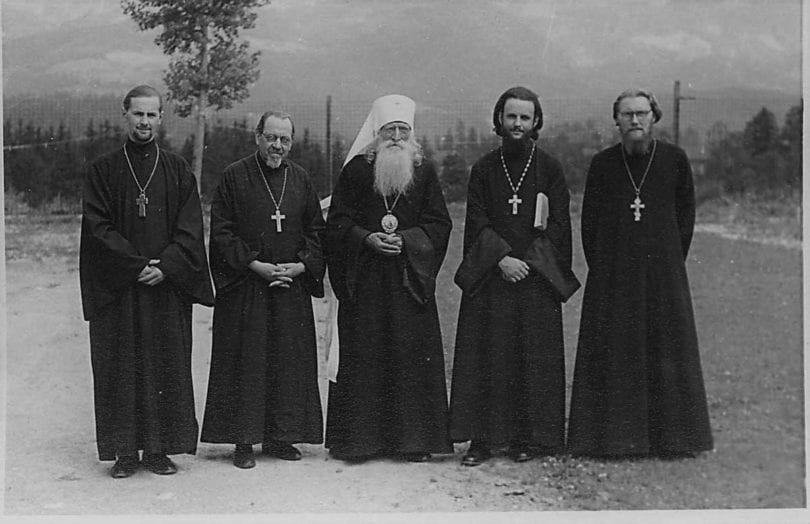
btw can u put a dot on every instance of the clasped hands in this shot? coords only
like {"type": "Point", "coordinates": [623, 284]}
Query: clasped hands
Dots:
{"type": "Point", "coordinates": [278, 275]}
{"type": "Point", "coordinates": [151, 275]}
{"type": "Point", "coordinates": [384, 243]}
{"type": "Point", "coordinates": [513, 269]}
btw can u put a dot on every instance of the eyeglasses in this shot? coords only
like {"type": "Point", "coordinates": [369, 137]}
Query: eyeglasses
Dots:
{"type": "Point", "coordinates": [641, 115]}
{"type": "Point", "coordinates": [285, 140]}
{"type": "Point", "coordinates": [388, 131]}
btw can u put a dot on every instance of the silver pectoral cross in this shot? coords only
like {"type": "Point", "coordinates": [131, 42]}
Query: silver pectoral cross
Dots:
{"type": "Point", "coordinates": [637, 206]}
{"type": "Point", "coordinates": [515, 201]}
{"type": "Point", "coordinates": [278, 217]}
{"type": "Point", "coordinates": [141, 201]}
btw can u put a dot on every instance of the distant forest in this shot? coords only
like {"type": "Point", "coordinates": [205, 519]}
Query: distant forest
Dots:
{"type": "Point", "coordinates": [47, 165]}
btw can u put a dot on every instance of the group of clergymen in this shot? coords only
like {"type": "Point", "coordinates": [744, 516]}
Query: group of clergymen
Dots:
{"type": "Point", "coordinates": [637, 388]}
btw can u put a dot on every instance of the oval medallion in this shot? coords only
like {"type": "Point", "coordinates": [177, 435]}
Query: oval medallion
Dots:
{"type": "Point", "coordinates": [389, 223]}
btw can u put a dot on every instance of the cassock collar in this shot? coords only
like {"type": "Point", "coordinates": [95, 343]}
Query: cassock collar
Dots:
{"type": "Point", "coordinates": [139, 148]}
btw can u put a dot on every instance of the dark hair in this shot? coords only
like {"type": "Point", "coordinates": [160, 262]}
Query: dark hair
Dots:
{"type": "Point", "coordinates": [142, 91]}
{"type": "Point", "coordinates": [633, 93]}
{"type": "Point", "coordinates": [521, 93]}
{"type": "Point", "coordinates": [278, 114]}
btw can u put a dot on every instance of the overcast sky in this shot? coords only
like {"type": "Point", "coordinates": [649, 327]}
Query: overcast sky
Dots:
{"type": "Point", "coordinates": [364, 47]}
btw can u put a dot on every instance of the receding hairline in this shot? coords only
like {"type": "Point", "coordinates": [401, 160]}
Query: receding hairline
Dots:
{"type": "Point", "coordinates": [142, 91]}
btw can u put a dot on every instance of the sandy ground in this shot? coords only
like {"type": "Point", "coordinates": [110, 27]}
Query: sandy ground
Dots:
{"type": "Point", "coordinates": [51, 466]}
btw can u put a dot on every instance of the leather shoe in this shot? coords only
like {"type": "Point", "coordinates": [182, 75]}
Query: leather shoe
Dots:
{"type": "Point", "coordinates": [158, 464]}
{"type": "Point", "coordinates": [124, 467]}
{"type": "Point", "coordinates": [476, 455]}
{"type": "Point", "coordinates": [243, 457]}
{"type": "Point", "coordinates": [281, 450]}
{"type": "Point", "coordinates": [521, 453]}
{"type": "Point", "coordinates": [416, 457]}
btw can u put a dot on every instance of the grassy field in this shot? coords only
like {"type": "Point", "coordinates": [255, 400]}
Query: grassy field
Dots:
{"type": "Point", "coordinates": [747, 297]}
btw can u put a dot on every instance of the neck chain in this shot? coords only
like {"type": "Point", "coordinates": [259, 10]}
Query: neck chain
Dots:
{"type": "Point", "coordinates": [637, 206]}
{"type": "Point", "coordinates": [277, 216]}
{"type": "Point", "coordinates": [389, 222]}
{"type": "Point", "coordinates": [514, 201]}
{"type": "Point", "coordinates": [142, 199]}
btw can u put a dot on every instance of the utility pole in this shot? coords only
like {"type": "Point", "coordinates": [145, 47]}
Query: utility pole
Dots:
{"type": "Point", "coordinates": [676, 111]}
{"type": "Point", "coordinates": [329, 141]}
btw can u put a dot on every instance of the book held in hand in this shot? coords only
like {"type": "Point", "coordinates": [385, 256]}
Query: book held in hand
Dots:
{"type": "Point", "coordinates": [541, 211]}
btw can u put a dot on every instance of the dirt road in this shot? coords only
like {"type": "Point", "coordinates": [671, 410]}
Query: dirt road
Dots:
{"type": "Point", "coordinates": [748, 302]}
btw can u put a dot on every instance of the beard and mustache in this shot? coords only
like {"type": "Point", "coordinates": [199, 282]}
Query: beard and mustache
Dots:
{"type": "Point", "coordinates": [514, 147]}
{"type": "Point", "coordinates": [637, 144]}
{"type": "Point", "coordinates": [393, 167]}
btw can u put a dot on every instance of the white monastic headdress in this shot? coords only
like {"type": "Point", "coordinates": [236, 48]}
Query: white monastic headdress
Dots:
{"type": "Point", "coordinates": [384, 110]}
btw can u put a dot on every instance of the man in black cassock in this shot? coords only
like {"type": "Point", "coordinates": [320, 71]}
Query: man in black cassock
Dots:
{"type": "Point", "coordinates": [266, 260]}
{"type": "Point", "coordinates": [142, 265]}
{"type": "Point", "coordinates": [509, 365]}
{"type": "Point", "coordinates": [387, 234]}
{"type": "Point", "coordinates": [638, 386]}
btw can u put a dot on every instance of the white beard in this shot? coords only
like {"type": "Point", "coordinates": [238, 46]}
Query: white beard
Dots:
{"type": "Point", "coordinates": [393, 168]}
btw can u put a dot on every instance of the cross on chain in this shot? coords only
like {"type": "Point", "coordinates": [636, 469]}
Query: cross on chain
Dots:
{"type": "Point", "coordinates": [142, 200]}
{"type": "Point", "coordinates": [515, 201]}
{"type": "Point", "coordinates": [278, 217]}
{"type": "Point", "coordinates": [637, 206]}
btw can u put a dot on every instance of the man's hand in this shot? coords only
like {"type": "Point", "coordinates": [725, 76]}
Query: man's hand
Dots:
{"type": "Point", "coordinates": [150, 274]}
{"type": "Point", "coordinates": [273, 273]}
{"type": "Point", "coordinates": [513, 269]}
{"type": "Point", "coordinates": [385, 244]}
{"type": "Point", "coordinates": [292, 269]}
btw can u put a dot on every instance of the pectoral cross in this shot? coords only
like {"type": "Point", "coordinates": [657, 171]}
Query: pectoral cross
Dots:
{"type": "Point", "coordinates": [142, 200]}
{"type": "Point", "coordinates": [278, 217]}
{"type": "Point", "coordinates": [637, 206]}
{"type": "Point", "coordinates": [515, 201]}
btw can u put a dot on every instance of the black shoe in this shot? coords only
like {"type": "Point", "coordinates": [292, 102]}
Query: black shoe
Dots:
{"type": "Point", "coordinates": [416, 457]}
{"type": "Point", "coordinates": [158, 464]}
{"type": "Point", "coordinates": [124, 467]}
{"type": "Point", "coordinates": [476, 455]}
{"type": "Point", "coordinates": [243, 456]}
{"type": "Point", "coordinates": [281, 450]}
{"type": "Point", "coordinates": [521, 453]}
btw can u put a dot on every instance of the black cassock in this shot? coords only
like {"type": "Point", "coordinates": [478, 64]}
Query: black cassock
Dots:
{"type": "Point", "coordinates": [509, 363]}
{"type": "Point", "coordinates": [390, 395]}
{"type": "Point", "coordinates": [638, 385]}
{"type": "Point", "coordinates": [263, 382]}
{"type": "Point", "coordinates": [140, 336]}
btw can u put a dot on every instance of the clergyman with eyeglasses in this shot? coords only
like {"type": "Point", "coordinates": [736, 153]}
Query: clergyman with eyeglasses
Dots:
{"type": "Point", "coordinates": [386, 237]}
{"type": "Point", "coordinates": [267, 263]}
{"type": "Point", "coordinates": [638, 386]}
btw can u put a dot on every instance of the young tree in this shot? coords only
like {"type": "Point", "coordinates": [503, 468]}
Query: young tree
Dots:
{"type": "Point", "coordinates": [210, 67]}
{"type": "Point", "coordinates": [761, 133]}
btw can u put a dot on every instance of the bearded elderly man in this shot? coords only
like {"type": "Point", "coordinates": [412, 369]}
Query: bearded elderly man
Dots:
{"type": "Point", "coordinates": [638, 386]}
{"type": "Point", "coordinates": [266, 261]}
{"type": "Point", "coordinates": [387, 234]}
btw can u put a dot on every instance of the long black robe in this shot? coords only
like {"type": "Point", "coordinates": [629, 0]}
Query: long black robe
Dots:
{"type": "Point", "coordinates": [263, 383]}
{"type": "Point", "coordinates": [638, 386]}
{"type": "Point", "coordinates": [140, 336]}
{"type": "Point", "coordinates": [390, 395]}
{"type": "Point", "coordinates": [509, 364]}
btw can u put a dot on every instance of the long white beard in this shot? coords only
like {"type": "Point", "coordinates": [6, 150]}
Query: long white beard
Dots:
{"type": "Point", "coordinates": [393, 168]}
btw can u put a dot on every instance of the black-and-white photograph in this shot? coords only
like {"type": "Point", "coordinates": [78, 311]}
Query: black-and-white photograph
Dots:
{"type": "Point", "coordinates": [364, 261]}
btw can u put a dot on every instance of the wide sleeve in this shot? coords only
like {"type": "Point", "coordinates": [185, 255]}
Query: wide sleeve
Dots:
{"type": "Point", "coordinates": [229, 254]}
{"type": "Point", "coordinates": [183, 260]}
{"type": "Point", "coordinates": [685, 201]}
{"type": "Point", "coordinates": [108, 261]}
{"type": "Point", "coordinates": [425, 244]}
{"type": "Point", "coordinates": [590, 210]}
{"type": "Point", "coordinates": [312, 253]}
{"type": "Point", "coordinates": [343, 241]}
{"type": "Point", "coordinates": [550, 252]}
{"type": "Point", "coordinates": [483, 247]}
